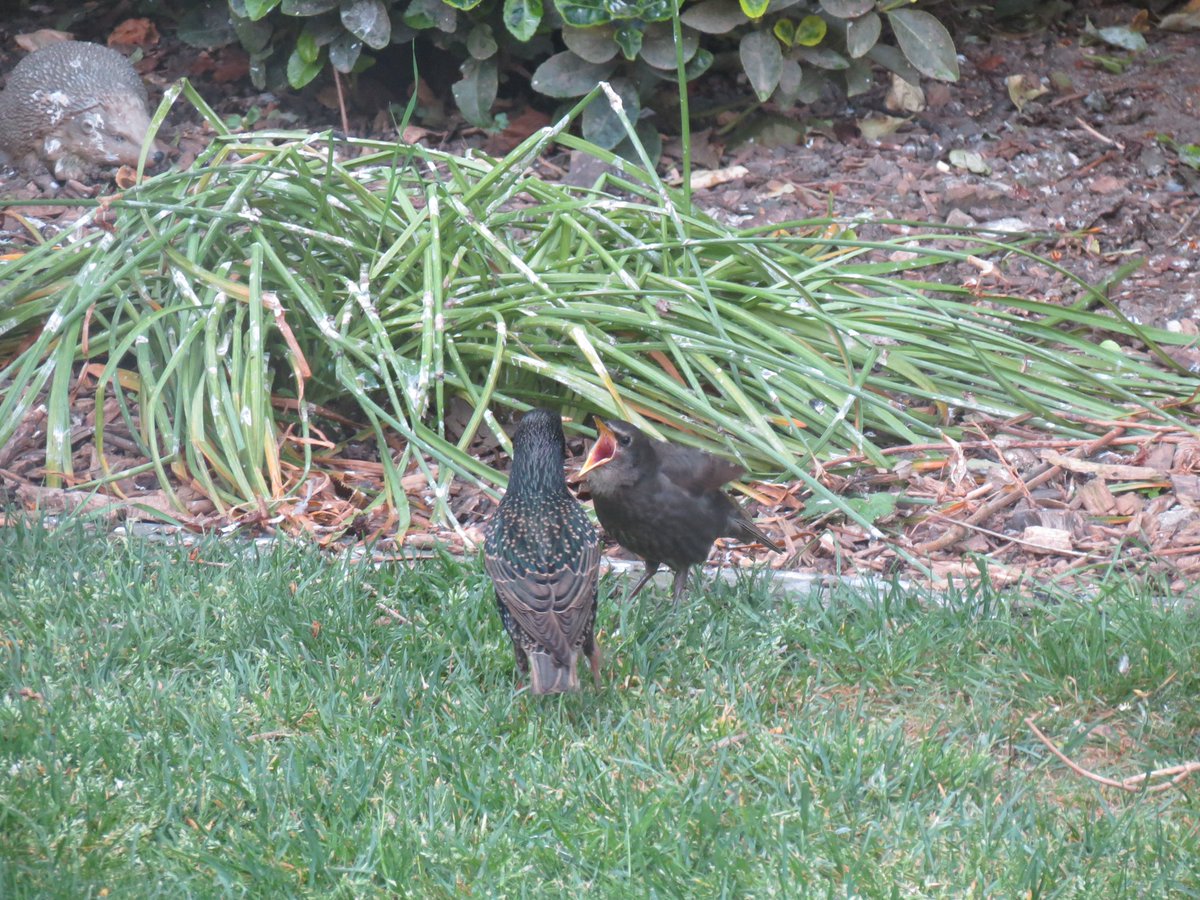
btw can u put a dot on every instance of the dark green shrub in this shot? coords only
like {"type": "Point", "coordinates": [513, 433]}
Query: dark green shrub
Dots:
{"type": "Point", "coordinates": [788, 49]}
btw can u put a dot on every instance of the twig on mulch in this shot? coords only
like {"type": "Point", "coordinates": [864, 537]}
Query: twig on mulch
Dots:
{"type": "Point", "coordinates": [1010, 496]}
{"type": "Point", "coordinates": [1097, 135]}
{"type": "Point", "coordinates": [1134, 783]}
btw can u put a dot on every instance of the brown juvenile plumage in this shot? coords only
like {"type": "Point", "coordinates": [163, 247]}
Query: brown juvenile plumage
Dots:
{"type": "Point", "coordinates": [663, 501]}
{"type": "Point", "coordinates": [543, 556]}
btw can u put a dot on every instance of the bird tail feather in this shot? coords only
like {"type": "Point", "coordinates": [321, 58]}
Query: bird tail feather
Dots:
{"type": "Point", "coordinates": [547, 675]}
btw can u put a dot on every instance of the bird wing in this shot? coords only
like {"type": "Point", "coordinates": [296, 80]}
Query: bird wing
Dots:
{"type": "Point", "coordinates": [551, 607]}
{"type": "Point", "coordinates": [695, 471]}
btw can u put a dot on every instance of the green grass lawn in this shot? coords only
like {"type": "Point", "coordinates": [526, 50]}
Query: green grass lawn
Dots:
{"type": "Point", "coordinates": [238, 721]}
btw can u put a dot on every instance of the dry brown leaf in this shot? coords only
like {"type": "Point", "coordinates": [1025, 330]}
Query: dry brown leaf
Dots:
{"type": "Point", "coordinates": [904, 97]}
{"type": "Point", "coordinates": [1186, 19]}
{"type": "Point", "coordinates": [1187, 489]}
{"type": "Point", "coordinates": [710, 178]}
{"type": "Point", "coordinates": [1096, 498]}
{"type": "Point", "coordinates": [1040, 539]}
{"type": "Point", "coordinates": [134, 33]}
{"type": "Point", "coordinates": [1023, 88]}
{"type": "Point", "coordinates": [43, 37]}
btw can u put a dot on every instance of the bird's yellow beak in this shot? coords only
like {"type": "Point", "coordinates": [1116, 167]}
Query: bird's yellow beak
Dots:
{"type": "Point", "coordinates": [602, 450]}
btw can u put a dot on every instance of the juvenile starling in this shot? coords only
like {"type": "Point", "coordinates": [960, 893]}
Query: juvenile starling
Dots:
{"type": "Point", "coordinates": [543, 556]}
{"type": "Point", "coordinates": [662, 501]}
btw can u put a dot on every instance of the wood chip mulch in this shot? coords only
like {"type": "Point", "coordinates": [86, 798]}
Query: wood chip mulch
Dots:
{"type": "Point", "coordinates": [1039, 510]}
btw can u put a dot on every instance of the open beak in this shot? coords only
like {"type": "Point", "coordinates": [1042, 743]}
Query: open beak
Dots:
{"type": "Point", "coordinates": [602, 451]}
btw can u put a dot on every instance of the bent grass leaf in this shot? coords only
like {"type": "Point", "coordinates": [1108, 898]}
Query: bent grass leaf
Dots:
{"type": "Point", "coordinates": [601, 124]}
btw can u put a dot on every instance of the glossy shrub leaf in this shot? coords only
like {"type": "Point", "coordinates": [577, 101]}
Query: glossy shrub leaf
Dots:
{"type": "Point", "coordinates": [714, 16]}
{"type": "Point", "coordinates": [256, 9]}
{"type": "Point", "coordinates": [822, 58]}
{"type": "Point", "coordinates": [629, 38]}
{"type": "Point", "coordinates": [583, 13]}
{"type": "Point", "coordinates": [207, 27]}
{"type": "Point", "coordinates": [324, 29]}
{"type": "Point", "coordinates": [522, 17]}
{"type": "Point", "coordinates": [658, 45]}
{"type": "Point", "coordinates": [788, 88]}
{"type": "Point", "coordinates": [648, 11]}
{"type": "Point", "coordinates": [480, 42]}
{"type": "Point", "coordinates": [368, 21]}
{"type": "Point", "coordinates": [857, 77]}
{"type": "Point", "coordinates": [344, 52]}
{"type": "Point", "coordinates": [847, 9]}
{"type": "Point", "coordinates": [893, 60]}
{"type": "Point", "coordinates": [299, 72]}
{"type": "Point", "coordinates": [785, 30]}
{"type": "Point", "coordinates": [862, 34]}
{"type": "Point", "coordinates": [762, 60]}
{"type": "Point", "coordinates": [596, 44]}
{"type": "Point", "coordinates": [754, 9]}
{"type": "Point", "coordinates": [475, 92]}
{"type": "Point", "coordinates": [810, 31]}
{"type": "Point", "coordinates": [306, 47]}
{"type": "Point", "coordinates": [699, 64]}
{"type": "Point", "coordinates": [424, 14]}
{"type": "Point", "coordinates": [925, 42]}
{"type": "Point", "coordinates": [566, 75]}
{"type": "Point", "coordinates": [302, 7]}
{"type": "Point", "coordinates": [255, 37]}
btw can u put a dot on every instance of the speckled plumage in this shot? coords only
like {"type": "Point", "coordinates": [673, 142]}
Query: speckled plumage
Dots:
{"type": "Point", "coordinates": [663, 501]}
{"type": "Point", "coordinates": [543, 556]}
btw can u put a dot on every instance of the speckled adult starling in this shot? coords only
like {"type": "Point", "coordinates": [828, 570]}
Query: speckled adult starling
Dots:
{"type": "Point", "coordinates": [662, 501]}
{"type": "Point", "coordinates": [543, 555]}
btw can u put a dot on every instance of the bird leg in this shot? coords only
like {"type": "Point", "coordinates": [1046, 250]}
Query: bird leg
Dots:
{"type": "Point", "coordinates": [681, 577]}
{"type": "Point", "coordinates": [651, 570]}
{"type": "Point", "coordinates": [594, 662]}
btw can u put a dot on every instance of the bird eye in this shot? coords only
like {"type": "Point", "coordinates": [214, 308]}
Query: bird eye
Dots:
{"type": "Point", "coordinates": [623, 440]}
